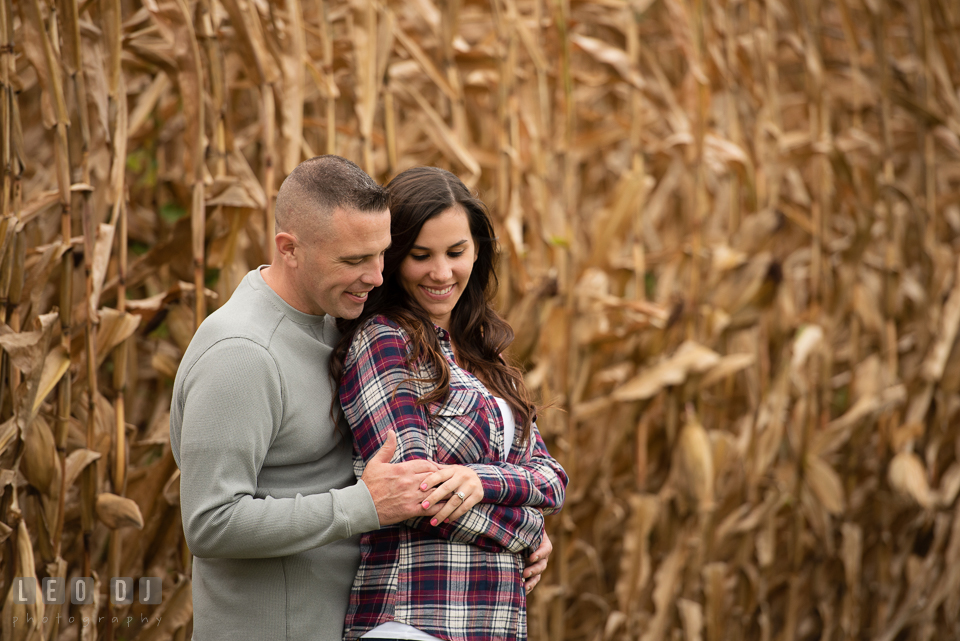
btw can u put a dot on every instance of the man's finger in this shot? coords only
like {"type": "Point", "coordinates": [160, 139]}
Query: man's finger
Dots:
{"type": "Point", "coordinates": [387, 450]}
{"type": "Point", "coordinates": [531, 583]}
{"type": "Point", "coordinates": [417, 466]}
{"type": "Point", "coordinates": [436, 478]}
{"type": "Point", "coordinates": [535, 569]}
{"type": "Point", "coordinates": [542, 552]}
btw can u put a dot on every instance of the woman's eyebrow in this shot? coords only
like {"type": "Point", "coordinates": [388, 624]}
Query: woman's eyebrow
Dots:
{"type": "Point", "coordinates": [422, 248]}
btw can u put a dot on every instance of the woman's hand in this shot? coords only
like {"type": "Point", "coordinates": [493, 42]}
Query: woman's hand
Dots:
{"type": "Point", "coordinates": [458, 485]}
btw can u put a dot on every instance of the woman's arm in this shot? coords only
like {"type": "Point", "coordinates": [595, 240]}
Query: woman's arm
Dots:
{"type": "Point", "coordinates": [378, 393]}
{"type": "Point", "coordinates": [540, 481]}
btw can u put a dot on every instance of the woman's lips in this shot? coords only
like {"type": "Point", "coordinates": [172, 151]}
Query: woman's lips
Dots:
{"type": "Point", "coordinates": [437, 293]}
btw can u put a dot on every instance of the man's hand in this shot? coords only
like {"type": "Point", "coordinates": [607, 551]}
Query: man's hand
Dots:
{"type": "Point", "coordinates": [537, 563]}
{"type": "Point", "coordinates": [395, 487]}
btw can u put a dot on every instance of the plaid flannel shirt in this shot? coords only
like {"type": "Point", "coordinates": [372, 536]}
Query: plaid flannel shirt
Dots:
{"type": "Point", "coordinates": [463, 580]}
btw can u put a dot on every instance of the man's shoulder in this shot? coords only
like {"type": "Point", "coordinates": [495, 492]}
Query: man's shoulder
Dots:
{"type": "Point", "coordinates": [247, 321]}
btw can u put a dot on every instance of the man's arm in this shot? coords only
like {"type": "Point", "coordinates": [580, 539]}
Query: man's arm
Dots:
{"type": "Point", "coordinates": [229, 408]}
{"type": "Point", "coordinates": [395, 487]}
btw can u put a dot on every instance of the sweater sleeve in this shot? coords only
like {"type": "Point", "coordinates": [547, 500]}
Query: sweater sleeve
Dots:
{"type": "Point", "coordinates": [229, 408]}
{"type": "Point", "coordinates": [378, 394]}
{"type": "Point", "coordinates": [540, 481]}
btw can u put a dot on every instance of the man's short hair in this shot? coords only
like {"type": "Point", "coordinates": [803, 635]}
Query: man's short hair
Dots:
{"type": "Point", "coordinates": [320, 185]}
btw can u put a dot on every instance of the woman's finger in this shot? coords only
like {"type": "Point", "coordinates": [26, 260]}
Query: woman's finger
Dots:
{"type": "Point", "coordinates": [442, 492]}
{"type": "Point", "coordinates": [457, 506]}
{"type": "Point", "coordinates": [457, 478]}
{"type": "Point", "coordinates": [470, 491]}
{"type": "Point", "coordinates": [469, 501]}
{"type": "Point", "coordinates": [461, 491]}
{"type": "Point", "coordinates": [436, 478]}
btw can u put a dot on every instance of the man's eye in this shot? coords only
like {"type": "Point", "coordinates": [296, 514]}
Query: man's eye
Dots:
{"type": "Point", "coordinates": [353, 263]}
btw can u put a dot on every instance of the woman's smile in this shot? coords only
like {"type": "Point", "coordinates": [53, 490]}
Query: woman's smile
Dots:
{"type": "Point", "coordinates": [436, 271]}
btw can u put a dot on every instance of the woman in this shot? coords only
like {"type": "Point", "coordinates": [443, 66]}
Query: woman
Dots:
{"type": "Point", "coordinates": [424, 359]}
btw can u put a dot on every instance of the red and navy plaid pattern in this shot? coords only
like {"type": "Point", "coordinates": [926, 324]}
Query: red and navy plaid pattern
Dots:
{"type": "Point", "coordinates": [460, 581]}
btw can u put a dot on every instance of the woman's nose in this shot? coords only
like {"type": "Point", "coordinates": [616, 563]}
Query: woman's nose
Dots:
{"type": "Point", "coordinates": [441, 270]}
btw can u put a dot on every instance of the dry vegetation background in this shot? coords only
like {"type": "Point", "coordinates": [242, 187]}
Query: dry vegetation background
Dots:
{"type": "Point", "coordinates": [731, 233]}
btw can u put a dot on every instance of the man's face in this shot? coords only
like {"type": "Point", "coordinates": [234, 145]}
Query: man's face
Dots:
{"type": "Point", "coordinates": [339, 267]}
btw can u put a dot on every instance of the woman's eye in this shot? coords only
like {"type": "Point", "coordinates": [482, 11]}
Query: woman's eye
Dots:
{"type": "Point", "coordinates": [455, 254]}
{"type": "Point", "coordinates": [419, 256]}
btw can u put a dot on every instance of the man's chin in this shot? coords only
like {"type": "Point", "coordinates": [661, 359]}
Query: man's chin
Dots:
{"type": "Point", "coordinates": [349, 312]}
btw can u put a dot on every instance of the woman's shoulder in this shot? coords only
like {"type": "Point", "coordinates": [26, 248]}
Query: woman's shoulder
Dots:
{"type": "Point", "coordinates": [381, 325]}
{"type": "Point", "coordinates": [377, 333]}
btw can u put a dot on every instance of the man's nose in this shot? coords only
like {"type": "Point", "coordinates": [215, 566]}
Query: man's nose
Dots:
{"type": "Point", "coordinates": [374, 275]}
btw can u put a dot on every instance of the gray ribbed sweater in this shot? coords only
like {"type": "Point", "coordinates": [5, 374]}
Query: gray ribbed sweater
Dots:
{"type": "Point", "coordinates": [271, 508]}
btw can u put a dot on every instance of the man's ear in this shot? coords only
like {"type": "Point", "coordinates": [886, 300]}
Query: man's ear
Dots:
{"type": "Point", "coordinates": [287, 247]}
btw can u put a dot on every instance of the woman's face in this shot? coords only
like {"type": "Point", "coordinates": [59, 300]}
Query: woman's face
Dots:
{"type": "Point", "coordinates": [436, 271]}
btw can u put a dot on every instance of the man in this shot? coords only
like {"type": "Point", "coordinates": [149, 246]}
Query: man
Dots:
{"type": "Point", "coordinates": [271, 508]}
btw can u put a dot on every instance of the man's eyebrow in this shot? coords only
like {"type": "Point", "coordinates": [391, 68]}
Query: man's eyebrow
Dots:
{"type": "Point", "coordinates": [362, 256]}
{"type": "Point", "coordinates": [421, 248]}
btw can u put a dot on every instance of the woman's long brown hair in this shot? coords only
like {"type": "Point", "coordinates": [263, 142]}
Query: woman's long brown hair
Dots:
{"type": "Point", "coordinates": [479, 334]}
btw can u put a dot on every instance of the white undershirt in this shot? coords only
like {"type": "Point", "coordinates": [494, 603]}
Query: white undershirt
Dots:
{"type": "Point", "coordinates": [394, 630]}
{"type": "Point", "coordinates": [509, 426]}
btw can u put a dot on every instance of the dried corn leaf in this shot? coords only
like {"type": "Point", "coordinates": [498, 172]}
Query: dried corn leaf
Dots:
{"type": "Point", "coordinates": [117, 511]}
{"type": "Point", "coordinates": [695, 471]}
{"type": "Point", "coordinates": [691, 616]}
{"type": "Point", "coordinates": [55, 365]}
{"type": "Point", "coordinates": [636, 563]}
{"type": "Point", "coordinates": [76, 462]}
{"type": "Point", "coordinates": [825, 484]}
{"type": "Point", "coordinates": [40, 463]}
{"type": "Point", "coordinates": [666, 584]}
{"type": "Point", "coordinates": [175, 612]}
{"type": "Point", "coordinates": [98, 271]}
{"type": "Point", "coordinates": [936, 360]}
{"type": "Point", "coordinates": [616, 58]}
{"type": "Point", "coordinates": [690, 358]}
{"type": "Point", "coordinates": [727, 366]}
{"type": "Point", "coordinates": [908, 476]}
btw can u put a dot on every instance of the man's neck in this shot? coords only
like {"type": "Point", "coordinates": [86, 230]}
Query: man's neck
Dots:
{"type": "Point", "coordinates": [274, 278]}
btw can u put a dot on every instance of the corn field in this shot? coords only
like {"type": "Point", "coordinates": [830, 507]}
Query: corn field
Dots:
{"type": "Point", "coordinates": [731, 255]}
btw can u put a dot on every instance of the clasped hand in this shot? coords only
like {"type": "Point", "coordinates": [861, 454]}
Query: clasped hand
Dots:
{"type": "Point", "coordinates": [398, 493]}
{"type": "Point", "coordinates": [456, 487]}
